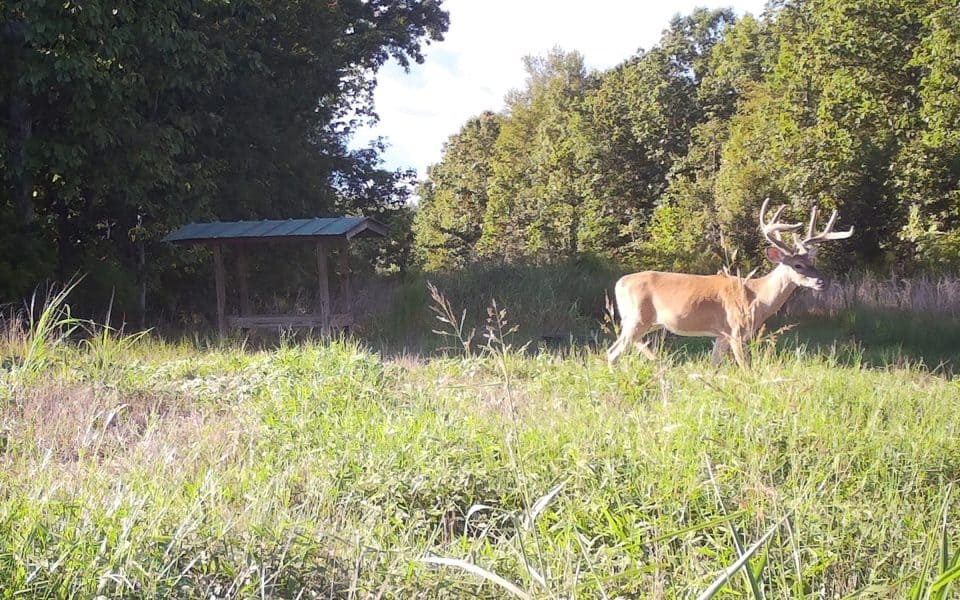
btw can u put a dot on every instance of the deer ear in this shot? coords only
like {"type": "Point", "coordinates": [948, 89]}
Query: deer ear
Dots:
{"type": "Point", "coordinates": [775, 254]}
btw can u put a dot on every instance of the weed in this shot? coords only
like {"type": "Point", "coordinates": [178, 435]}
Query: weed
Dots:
{"type": "Point", "coordinates": [33, 335]}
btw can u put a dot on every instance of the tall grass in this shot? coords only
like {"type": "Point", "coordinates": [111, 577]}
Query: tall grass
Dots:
{"type": "Point", "coordinates": [922, 294]}
{"type": "Point", "coordinates": [557, 301]}
{"type": "Point", "coordinates": [133, 467]}
{"type": "Point", "coordinates": [321, 469]}
{"type": "Point", "coordinates": [31, 335]}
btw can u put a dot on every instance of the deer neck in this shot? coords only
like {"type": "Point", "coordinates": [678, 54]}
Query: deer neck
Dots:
{"type": "Point", "coordinates": [770, 292]}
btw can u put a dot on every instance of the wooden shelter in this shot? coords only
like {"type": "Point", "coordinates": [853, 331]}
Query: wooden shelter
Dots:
{"type": "Point", "coordinates": [328, 235]}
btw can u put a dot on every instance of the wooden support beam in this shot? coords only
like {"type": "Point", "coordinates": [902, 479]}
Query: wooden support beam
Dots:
{"type": "Point", "coordinates": [221, 290]}
{"type": "Point", "coordinates": [346, 293]}
{"type": "Point", "coordinates": [242, 277]}
{"type": "Point", "coordinates": [323, 289]}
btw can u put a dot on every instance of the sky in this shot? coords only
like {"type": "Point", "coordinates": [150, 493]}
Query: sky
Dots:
{"type": "Point", "coordinates": [480, 60]}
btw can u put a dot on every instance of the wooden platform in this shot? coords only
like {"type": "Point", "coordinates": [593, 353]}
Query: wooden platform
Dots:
{"type": "Point", "coordinates": [331, 237]}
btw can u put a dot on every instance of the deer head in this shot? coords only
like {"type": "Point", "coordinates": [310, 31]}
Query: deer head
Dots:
{"type": "Point", "coordinates": [798, 260]}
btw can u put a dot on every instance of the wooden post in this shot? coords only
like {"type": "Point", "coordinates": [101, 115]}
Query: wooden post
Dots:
{"type": "Point", "coordinates": [242, 277]}
{"type": "Point", "coordinates": [323, 298]}
{"type": "Point", "coordinates": [221, 290]}
{"type": "Point", "coordinates": [346, 294]}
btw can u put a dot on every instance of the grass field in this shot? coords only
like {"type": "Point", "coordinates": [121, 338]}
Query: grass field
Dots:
{"type": "Point", "coordinates": [137, 467]}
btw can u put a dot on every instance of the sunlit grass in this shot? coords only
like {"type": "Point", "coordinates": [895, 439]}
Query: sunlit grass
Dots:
{"type": "Point", "coordinates": [135, 467]}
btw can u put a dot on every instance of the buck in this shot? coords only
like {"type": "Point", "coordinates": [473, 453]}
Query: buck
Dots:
{"type": "Point", "coordinates": [720, 306]}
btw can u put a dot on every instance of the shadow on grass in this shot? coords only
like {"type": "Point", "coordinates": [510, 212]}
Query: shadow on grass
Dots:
{"type": "Point", "coordinates": [882, 338]}
{"type": "Point", "coordinates": [872, 339]}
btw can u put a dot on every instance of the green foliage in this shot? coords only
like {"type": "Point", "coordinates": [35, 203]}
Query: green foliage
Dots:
{"type": "Point", "coordinates": [533, 192]}
{"type": "Point", "coordinates": [24, 257]}
{"type": "Point", "coordinates": [37, 332]}
{"type": "Point", "coordinates": [453, 200]}
{"type": "Point", "coordinates": [663, 160]}
{"type": "Point", "coordinates": [125, 122]}
{"type": "Point", "coordinates": [929, 165]}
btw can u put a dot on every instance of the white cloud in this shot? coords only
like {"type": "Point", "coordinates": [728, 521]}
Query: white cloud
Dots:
{"type": "Point", "coordinates": [480, 60]}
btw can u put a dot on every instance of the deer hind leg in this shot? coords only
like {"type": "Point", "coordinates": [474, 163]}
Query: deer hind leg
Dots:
{"type": "Point", "coordinates": [632, 332]}
{"type": "Point", "coordinates": [720, 346]}
{"type": "Point", "coordinates": [644, 345]}
{"type": "Point", "coordinates": [626, 333]}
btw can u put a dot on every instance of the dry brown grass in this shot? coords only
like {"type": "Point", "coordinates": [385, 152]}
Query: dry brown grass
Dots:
{"type": "Point", "coordinates": [87, 421]}
{"type": "Point", "coordinates": [922, 294]}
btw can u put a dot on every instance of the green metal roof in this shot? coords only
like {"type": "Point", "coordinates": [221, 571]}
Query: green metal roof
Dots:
{"type": "Point", "coordinates": [332, 227]}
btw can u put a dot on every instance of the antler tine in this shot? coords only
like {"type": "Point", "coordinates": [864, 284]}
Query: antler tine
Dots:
{"type": "Point", "coordinates": [763, 210]}
{"type": "Point", "coordinates": [813, 221]}
{"type": "Point", "coordinates": [771, 229]}
{"type": "Point", "coordinates": [827, 234]}
{"type": "Point", "coordinates": [778, 213]}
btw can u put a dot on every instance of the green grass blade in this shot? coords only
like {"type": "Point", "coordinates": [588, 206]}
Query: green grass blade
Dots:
{"type": "Point", "coordinates": [736, 566]}
{"type": "Point", "coordinates": [939, 585]}
{"type": "Point", "coordinates": [748, 572]}
{"type": "Point", "coordinates": [538, 506]}
{"type": "Point", "coordinates": [945, 548]}
{"type": "Point", "coordinates": [919, 590]}
{"type": "Point", "coordinates": [698, 527]}
{"type": "Point", "coordinates": [479, 572]}
{"type": "Point", "coordinates": [945, 543]}
{"type": "Point", "coordinates": [949, 568]}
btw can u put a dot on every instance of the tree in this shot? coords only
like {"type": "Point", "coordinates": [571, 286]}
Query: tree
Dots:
{"type": "Point", "coordinates": [533, 196]}
{"type": "Point", "coordinates": [928, 168]}
{"type": "Point", "coordinates": [140, 120]}
{"type": "Point", "coordinates": [640, 120]}
{"type": "Point", "coordinates": [453, 199]}
{"type": "Point", "coordinates": [664, 159]}
{"type": "Point", "coordinates": [827, 123]}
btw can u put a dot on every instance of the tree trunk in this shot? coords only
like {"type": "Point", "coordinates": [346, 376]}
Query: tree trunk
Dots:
{"type": "Point", "coordinates": [142, 283]}
{"type": "Point", "coordinates": [63, 235]}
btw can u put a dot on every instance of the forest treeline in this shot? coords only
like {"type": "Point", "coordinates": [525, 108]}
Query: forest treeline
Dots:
{"type": "Point", "coordinates": [664, 160]}
{"type": "Point", "coordinates": [122, 120]}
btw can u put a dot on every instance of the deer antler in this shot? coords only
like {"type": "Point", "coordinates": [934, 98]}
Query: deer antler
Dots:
{"type": "Point", "coordinates": [826, 235]}
{"type": "Point", "coordinates": [771, 229]}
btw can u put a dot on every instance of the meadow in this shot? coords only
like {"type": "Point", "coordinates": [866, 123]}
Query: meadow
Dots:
{"type": "Point", "coordinates": [418, 460]}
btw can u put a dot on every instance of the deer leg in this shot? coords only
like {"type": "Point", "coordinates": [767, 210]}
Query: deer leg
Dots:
{"type": "Point", "coordinates": [720, 346]}
{"type": "Point", "coordinates": [631, 332]}
{"type": "Point", "coordinates": [635, 323]}
{"type": "Point", "coordinates": [739, 351]}
{"type": "Point", "coordinates": [626, 333]}
{"type": "Point", "coordinates": [644, 346]}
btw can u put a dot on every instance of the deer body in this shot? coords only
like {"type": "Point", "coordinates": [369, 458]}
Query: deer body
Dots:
{"type": "Point", "coordinates": [721, 306]}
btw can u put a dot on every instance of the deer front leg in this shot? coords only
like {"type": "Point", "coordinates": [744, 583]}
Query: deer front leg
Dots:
{"type": "Point", "coordinates": [723, 343]}
{"type": "Point", "coordinates": [738, 346]}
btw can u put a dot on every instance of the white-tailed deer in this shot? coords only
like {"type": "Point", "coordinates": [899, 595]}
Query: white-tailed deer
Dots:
{"type": "Point", "coordinates": [721, 306]}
